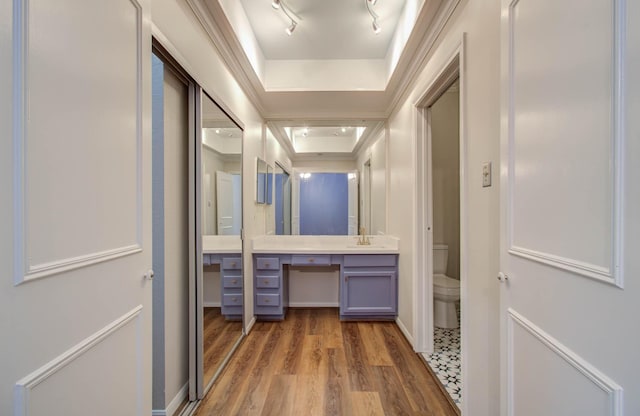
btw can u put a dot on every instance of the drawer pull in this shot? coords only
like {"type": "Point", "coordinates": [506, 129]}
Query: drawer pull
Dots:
{"type": "Point", "coordinates": [234, 281]}
{"type": "Point", "coordinates": [267, 301]}
{"type": "Point", "coordinates": [233, 264]}
{"type": "Point", "coordinates": [235, 300]}
{"type": "Point", "coordinates": [267, 265]}
{"type": "Point", "coordinates": [265, 281]}
{"type": "Point", "coordinates": [311, 260]}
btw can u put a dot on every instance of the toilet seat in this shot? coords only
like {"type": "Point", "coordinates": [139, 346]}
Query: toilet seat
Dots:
{"type": "Point", "coordinates": [445, 285]}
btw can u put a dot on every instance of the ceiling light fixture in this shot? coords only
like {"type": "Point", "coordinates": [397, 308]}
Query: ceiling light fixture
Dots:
{"type": "Point", "coordinates": [294, 18]}
{"type": "Point", "coordinates": [374, 16]}
{"type": "Point", "coordinates": [291, 27]}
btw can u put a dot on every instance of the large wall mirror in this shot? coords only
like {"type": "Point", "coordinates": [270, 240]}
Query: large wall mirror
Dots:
{"type": "Point", "coordinates": [336, 181]}
{"type": "Point", "coordinates": [282, 198]}
{"type": "Point", "coordinates": [221, 223]}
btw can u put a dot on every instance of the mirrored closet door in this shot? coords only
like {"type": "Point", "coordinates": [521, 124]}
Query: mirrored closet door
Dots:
{"type": "Point", "coordinates": [220, 294]}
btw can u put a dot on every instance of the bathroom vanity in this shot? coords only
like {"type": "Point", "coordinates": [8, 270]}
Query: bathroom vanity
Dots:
{"type": "Point", "coordinates": [226, 252]}
{"type": "Point", "coordinates": [368, 274]}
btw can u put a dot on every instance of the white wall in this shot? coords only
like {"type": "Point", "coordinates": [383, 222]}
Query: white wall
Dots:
{"type": "Point", "coordinates": [211, 281]}
{"type": "Point", "coordinates": [445, 126]}
{"type": "Point", "coordinates": [480, 21]}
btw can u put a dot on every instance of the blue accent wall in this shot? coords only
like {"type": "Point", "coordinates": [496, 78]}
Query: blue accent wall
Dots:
{"type": "Point", "coordinates": [324, 204]}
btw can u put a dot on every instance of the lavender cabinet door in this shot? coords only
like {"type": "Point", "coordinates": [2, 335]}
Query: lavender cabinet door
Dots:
{"type": "Point", "coordinates": [369, 292]}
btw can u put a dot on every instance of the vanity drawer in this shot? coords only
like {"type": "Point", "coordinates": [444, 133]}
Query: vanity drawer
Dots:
{"type": "Point", "coordinates": [232, 299]}
{"type": "Point", "coordinates": [310, 260]}
{"type": "Point", "coordinates": [232, 263]}
{"type": "Point", "coordinates": [268, 282]}
{"type": "Point", "coordinates": [368, 260]}
{"type": "Point", "coordinates": [232, 281]}
{"type": "Point", "coordinates": [268, 299]}
{"type": "Point", "coordinates": [268, 263]}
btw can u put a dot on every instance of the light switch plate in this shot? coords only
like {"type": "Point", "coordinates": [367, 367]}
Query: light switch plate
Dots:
{"type": "Point", "coordinates": [486, 174]}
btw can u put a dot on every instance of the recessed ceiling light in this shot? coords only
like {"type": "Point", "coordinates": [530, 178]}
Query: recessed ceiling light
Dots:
{"type": "Point", "coordinates": [217, 131]}
{"type": "Point", "coordinates": [275, 4]}
{"type": "Point", "coordinates": [344, 129]}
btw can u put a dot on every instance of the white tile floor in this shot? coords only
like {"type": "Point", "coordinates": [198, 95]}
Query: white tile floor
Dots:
{"type": "Point", "coordinates": [445, 361]}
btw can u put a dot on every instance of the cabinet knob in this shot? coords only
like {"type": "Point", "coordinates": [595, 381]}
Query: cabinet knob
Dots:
{"type": "Point", "coordinates": [234, 281]}
{"type": "Point", "coordinates": [267, 264]}
{"type": "Point", "coordinates": [235, 300]}
{"type": "Point", "coordinates": [267, 301]}
{"type": "Point", "coordinates": [311, 260]}
{"type": "Point", "coordinates": [265, 281]}
{"type": "Point", "coordinates": [233, 264]}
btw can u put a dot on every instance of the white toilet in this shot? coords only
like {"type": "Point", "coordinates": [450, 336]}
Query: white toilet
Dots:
{"type": "Point", "coordinates": [446, 290]}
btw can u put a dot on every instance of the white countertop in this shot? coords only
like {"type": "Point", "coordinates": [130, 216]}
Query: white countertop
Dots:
{"type": "Point", "coordinates": [223, 244]}
{"type": "Point", "coordinates": [324, 244]}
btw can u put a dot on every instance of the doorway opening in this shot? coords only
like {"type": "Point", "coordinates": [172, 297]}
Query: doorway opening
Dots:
{"type": "Point", "coordinates": [440, 189]}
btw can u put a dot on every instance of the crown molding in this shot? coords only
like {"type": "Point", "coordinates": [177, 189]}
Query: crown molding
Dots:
{"type": "Point", "coordinates": [414, 58]}
{"type": "Point", "coordinates": [430, 23]}
{"type": "Point", "coordinates": [224, 40]}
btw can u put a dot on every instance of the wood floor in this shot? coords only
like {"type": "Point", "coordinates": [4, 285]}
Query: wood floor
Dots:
{"type": "Point", "coordinates": [219, 337]}
{"type": "Point", "coordinates": [314, 364]}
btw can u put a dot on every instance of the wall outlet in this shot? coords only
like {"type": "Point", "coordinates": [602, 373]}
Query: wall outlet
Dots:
{"type": "Point", "coordinates": [486, 174]}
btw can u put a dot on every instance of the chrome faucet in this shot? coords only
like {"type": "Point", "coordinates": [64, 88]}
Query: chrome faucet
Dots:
{"type": "Point", "coordinates": [364, 239]}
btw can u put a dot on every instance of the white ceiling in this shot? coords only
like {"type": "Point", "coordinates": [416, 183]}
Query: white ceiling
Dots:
{"type": "Point", "coordinates": [328, 29]}
{"type": "Point", "coordinates": [333, 71]}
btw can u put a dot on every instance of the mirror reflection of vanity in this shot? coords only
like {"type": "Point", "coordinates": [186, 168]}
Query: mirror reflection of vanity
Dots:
{"type": "Point", "coordinates": [221, 222]}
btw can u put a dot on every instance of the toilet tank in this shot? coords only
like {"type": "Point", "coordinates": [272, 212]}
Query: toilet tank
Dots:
{"type": "Point", "coordinates": [440, 258]}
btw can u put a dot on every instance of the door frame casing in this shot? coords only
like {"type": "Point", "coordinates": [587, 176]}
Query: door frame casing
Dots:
{"type": "Point", "coordinates": [452, 68]}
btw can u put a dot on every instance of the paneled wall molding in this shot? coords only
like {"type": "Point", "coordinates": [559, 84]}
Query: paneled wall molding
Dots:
{"type": "Point", "coordinates": [582, 268]}
{"type": "Point", "coordinates": [612, 272]}
{"type": "Point", "coordinates": [37, 271]}
{"type": "Point", "coordinates": [24, 269]}
{"type": "Point", "coordinates": [24, 387]}
{"type": "Point", "coordinates": [582, 367]}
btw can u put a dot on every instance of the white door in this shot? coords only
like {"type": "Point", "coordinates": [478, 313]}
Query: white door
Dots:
{"type": "Point", "coordinates": [224, 200]}
{"type": "Point", "coordinates": [570, 204]}
{"type": "Point", "coordinates": [75, 216]}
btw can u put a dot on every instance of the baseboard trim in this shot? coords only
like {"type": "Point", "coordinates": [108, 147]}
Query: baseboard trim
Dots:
{"type": "Point", "coordinates": [175, 403]}
{"type": "Point", "coordinates": [314, 304]}
{"type": "Point", "coordinates": [250, 325]}
{"type": "Point", "coordinates": [405, 332]}
{"type": "Point", "coordinates": [211, 304]}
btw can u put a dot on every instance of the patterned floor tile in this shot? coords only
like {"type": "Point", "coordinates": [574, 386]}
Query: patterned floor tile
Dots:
{"type": "Point", "coordinates": [445, 361]}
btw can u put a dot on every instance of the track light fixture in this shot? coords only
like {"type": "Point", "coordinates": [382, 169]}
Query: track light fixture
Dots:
{"type": "Point", "coordinates": [294, 18]}
{"type": "Point", "coordinates": [374, 16]}
{"type": "Point", "coordinates": [291, 28]}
